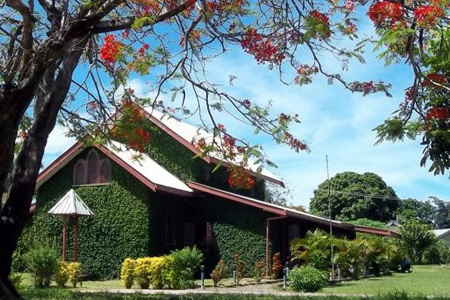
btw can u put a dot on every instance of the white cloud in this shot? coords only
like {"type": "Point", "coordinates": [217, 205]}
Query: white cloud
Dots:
{"type": "Point", "coordinates": [57, 143]}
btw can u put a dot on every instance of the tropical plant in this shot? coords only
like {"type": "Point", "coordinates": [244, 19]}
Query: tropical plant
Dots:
{"type": "Point", "coordinates": [313, 250]}
{"type": "Point", "coordinates": [156, 276]}
{"type": "Point", "coordinates": [370, 253]}
{"type": "Point", "coordinates": [348, 254]}
{"type": "Point", "coordinates": [417, 238]}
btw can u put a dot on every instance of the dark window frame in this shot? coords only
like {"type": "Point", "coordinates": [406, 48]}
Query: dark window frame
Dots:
{"type": "Point", "coordinates": [93, 163]}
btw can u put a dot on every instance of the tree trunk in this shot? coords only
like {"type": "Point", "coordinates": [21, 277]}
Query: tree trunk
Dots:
{"type": "Point", "coordinates": [28, 162]}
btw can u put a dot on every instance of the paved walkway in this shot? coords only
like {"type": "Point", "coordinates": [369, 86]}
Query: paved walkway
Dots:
{"type": "Point", "coordinates": [257, 289]}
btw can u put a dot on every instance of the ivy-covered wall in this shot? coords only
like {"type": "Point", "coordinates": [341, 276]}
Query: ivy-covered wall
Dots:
{"type": "Point", "coordinates": [182, 162]}
{"type": "Point", "coordinates": [237, 229]}
{"type": "Point", "coordinates": [118, 229]}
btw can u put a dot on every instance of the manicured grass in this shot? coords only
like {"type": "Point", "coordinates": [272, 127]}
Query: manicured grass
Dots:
{"type": "Point", "coordinates": [424, 280]}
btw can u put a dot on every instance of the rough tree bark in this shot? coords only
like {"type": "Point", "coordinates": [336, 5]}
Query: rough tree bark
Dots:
{"type": "Point", "coordinates": [53, 91]}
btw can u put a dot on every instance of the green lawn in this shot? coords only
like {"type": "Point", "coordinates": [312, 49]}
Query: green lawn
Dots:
{"type": "Point", "coordinates": [425, 280]}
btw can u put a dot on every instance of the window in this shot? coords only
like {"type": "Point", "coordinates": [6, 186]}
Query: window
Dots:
{"type": "Point", "coordinates": [92, 167]}
{"type": "Point", "coordinates": [105, 171]}
{"type": "Point", "coordinates": [92, 170]}
{"type": "Point", "coordinates": [79, 174]}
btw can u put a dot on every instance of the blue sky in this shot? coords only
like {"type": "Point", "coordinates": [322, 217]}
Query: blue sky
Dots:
{"type": "Point", "coordinates": [334, 122]}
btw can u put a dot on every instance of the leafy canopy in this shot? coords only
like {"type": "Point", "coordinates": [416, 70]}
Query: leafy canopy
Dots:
{"type": "Point", "coordinates": [355, 196]}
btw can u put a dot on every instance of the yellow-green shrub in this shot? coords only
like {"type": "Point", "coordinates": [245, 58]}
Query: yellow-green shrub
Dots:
{"type": "Point", "coordinates": [74, 270]}
{"type": "Point", "coordinates": [168, 272]}
{"type": "Point", "coordinates": [142, 271]}
{"type": "Point", "coordinates": [127, 272]}
{"type": "Point", "coordinates": [62, 274]}
{"type": "Point", "coordinates": [156, 276]}
{"type": "Point", "coordinates": [16, 279]}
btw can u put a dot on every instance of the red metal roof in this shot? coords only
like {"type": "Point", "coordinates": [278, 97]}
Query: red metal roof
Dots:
{"type": "Point", "coordinates": [265, 206]}
{"type": "Point", "coordinates": [288, 212]}
{"type": "Point", "coordinates": [376, 231]}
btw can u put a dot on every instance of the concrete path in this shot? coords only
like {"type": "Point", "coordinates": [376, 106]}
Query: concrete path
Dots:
{"type": "Point", "coordinates": [257, 289]}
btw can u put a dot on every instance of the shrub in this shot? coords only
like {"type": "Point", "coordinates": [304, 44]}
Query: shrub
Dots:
{"type": "Point", "coordinates": [240, 267]}
{"type": "Point", "coordinates": [185, 262]}
{"type": "Point", "coordinates": [216, 274]}
{"type": "Point", "coordinates": [62, 274]}
{"type": "Point", "coordinates": [168, 272]}
{"type": "Point", "coordinates": [127, 272]}
{"type": "Point", "coordinates": [307, 279]}
{"type": "Point", "coordinates": [142, 272]}
{"type": "Point", "coordinates": [16, 280]}
{"type": "Point", "coordinates": [156, 274]}
{"type": "Point", "coordinates": [42, 262]}
{"type": "Point", "coordinates": [258, 270]}
{"type": "Point", "coordinates": [18, 262]}
{"type": "Point", "coordinates": [276, 265]}
{"type": "Point", "coordinates": [437, 253]}
{"type": "Point", "coordinates": [74, 269]}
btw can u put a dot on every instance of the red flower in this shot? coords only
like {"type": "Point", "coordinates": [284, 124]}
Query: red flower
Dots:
{"type": "Point", "coordinates": [426, 15]}
{"type": "Point", "coordinates": [111, 50]}
{"type": "Point", "coordinates": [385, 12]}
{"type": "Point", "coordinates": [320, 17]}
{"type": "Point", "coordinates": [261, 48]}
{"type": "Point", "coordinates": [240, 178]}
{"type": "Point", "coordinates": [319, 24]}
{"type": "Point", "coordinates": [432, 79]}
{"type": "Point", "coordinates": [438, 113]}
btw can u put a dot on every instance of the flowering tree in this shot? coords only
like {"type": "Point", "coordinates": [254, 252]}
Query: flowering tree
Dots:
{"type": "Point", "coordinates": [56, 54]}
{"type": "Point", "coordinates": [417, 32]}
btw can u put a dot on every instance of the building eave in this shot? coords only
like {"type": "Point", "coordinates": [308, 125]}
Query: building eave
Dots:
{"type": "Point", "coordinates": [236, 198]}
{"type": "Point", "coordinates": [376, 231]}
{"type": "Point", "coordinates": [59, 163]}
